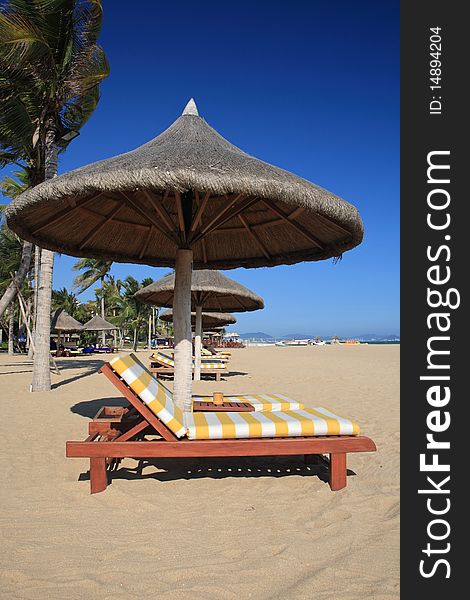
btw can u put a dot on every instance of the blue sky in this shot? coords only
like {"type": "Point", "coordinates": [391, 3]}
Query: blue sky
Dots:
{"type": "Point", "coordinates": [310, 86]}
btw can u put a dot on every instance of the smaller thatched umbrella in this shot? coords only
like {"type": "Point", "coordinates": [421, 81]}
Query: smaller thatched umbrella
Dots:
{"type": "Point", "coordinates": [209, 320]}
{"type": "Point", "coordinates": [97, 323]}
{"type": "Point", "coordinates": [62, 322]}
{"type": "Point", "coordinates": [210, 291]}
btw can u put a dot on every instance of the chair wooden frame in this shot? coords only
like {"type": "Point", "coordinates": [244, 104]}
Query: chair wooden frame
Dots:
{"type": "Point", "coordinates": [116, 433]}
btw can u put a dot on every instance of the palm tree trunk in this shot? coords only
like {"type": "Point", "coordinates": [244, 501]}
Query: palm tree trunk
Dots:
{"type": "Point", "coordinates": [134, 345]}
{"type": "Point", "coordinates": [10, 293]}
{"type": "Point", "coordinates": [37, 259]}
{"type": "Point", "coordinates": [11, 330]}
{"type": "Point", "coordinates": [42, 338]}
{"type": "Point", "coordinates": [150, 332]}
{"type": "Point", "coordinates": [41, 367]}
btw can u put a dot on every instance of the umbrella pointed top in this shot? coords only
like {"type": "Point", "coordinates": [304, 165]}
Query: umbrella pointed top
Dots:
{"type": "Point", "coordinates": [191, 108]}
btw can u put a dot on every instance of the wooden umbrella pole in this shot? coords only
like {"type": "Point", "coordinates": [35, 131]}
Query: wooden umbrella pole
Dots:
{"type": "Point", "coordinates": [182, 389]}
{"type": "Point", "coordinates": [198, 344]}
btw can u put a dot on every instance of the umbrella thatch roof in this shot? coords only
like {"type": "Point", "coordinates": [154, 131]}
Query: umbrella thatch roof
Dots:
{"type": "Point", "coordinates": [210, 289]}
{"type": "Point", "coordinates": [190, 188]}
{"type": "Point", "coordinates": [208, 319]}
{"type": "Point", "coordinates": [97, 323]}
{"type": "Point", "coordinates": [62, 321]}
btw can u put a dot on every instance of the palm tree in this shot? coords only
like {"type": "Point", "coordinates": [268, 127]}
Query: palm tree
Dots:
{"type": "Point", "coordinates": [132, 313]}
{"type": "Point", "coordinates": [11, 188]}
{"type": "Point", "coordinates": [67, 300]}
{"type": "Point", "coordinates": [51, 68]}
{"type": "Point", "coordinates": [94, 269]}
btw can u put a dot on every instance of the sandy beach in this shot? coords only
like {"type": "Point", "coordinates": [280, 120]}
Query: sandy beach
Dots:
{"type": "Point", "coordinates": [202, 529]}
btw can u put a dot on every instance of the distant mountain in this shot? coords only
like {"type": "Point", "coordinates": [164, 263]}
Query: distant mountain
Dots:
{"type": "Point", "coordinates": [257, 335]}
{"type": "Point", "coordinates": [298, 336]}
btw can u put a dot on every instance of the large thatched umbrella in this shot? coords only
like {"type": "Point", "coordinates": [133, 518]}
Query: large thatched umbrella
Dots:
{"type": "Point", "coordinates": [187, 196]}
{"type": "Point", "coordinates": [209, 319]}
{"type": "Point", "coordinates": [97, 323]}
{"type": "Point", "coordinates": [210, 290]}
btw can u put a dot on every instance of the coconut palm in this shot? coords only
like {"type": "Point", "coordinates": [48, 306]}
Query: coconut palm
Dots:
{"type": "Point", "coordinates": [132, 314]}
{"type": "Point", "coordinates": [93, 270]}
{"type": "Point", "coordinates": [67, 300]}
{"type": "Point", "coordinates": [51, 68]}
{"type": "Point", "coordinates": [11, 188]}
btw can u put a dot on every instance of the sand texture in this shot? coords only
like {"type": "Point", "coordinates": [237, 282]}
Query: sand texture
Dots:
{"type": "Point", "coordinates": [205, 529]}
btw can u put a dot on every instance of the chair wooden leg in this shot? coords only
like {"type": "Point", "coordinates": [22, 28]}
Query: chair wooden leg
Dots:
{"type": "Point", "coordinates": [337, 473]}
{"type": "Point", "coordinates": [217, 376]}
{"type": "Point", "coordinates": [98, 475]}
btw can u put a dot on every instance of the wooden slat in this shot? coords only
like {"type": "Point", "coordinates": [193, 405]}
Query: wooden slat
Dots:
{"type": "Point", "coordinates": [280, 213]}
{"type": "Point", "coordinates": [94, 232]}
{"type": "Point", "coordinates": [239, 447]}
{"type": "Point", "coordinates": [149, 218]}
{"type": "Point", "coordinates": [206, 406]}
{"type": "Point", "coordinates": [161, 211]}
{"type": "Point", "coordinates": [200, 211]}
{"type": "Point", "coordinates": [147, 239]}
{"type": "Point", "coordinates": [63, 213]}
{"type": "Point", "coordinates": [179, 208]}
{"type": "Point", "coordinates": [254, 236]}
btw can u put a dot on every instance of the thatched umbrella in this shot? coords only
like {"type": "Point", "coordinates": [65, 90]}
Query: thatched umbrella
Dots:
{"type": "Point", "coordinates": [62, 322]}
{"type": "Point", "coordinates": [210, 290]}
{"type": "Point", "coordinates": [97, 323]}
{"type": "Point", "coordinates": [187, 196]}
{"type": "Point", "coordinates": [209, 319]}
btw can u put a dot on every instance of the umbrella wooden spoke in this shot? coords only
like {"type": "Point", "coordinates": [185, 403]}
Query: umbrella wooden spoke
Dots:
{"type": "Point", "coordinates": [105, 220]}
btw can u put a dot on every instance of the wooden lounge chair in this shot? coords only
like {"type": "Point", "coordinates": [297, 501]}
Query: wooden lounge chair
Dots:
{"type": "Point", "coordinates": [164, 364]}
{"type": "Point", "coordinates": [118, 432]}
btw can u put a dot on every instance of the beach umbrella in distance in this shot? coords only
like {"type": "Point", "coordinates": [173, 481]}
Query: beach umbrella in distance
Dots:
{"type": "Point", "coordinates": [97, 323]}
{"type": "Point", "coordinates": [62, 322]}
{"type": "Point", "coordinates": [209, 319]}
{"type": "Point", "coordinates": [186, 198]}
{"type": "Point", "coordinates": [211, 290]}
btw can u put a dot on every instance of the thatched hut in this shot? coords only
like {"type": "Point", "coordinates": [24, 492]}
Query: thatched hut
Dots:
{"type": "Point", "coordinates": [97, 323]}
{"type": "Point", "coordinates": [62, 322]}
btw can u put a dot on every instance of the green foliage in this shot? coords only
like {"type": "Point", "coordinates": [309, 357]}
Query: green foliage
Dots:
{"type": "Point", "coordinates": [94, 269]}
{"type": "Point", "coordinates": [50, 70]}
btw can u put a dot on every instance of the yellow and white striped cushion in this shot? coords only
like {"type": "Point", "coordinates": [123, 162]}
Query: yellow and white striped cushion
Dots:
{"type": "Point", "coordinates": [260, 402]}
{"type": "Point", "coordinates": [208, 364]}
{"type": "Point", "coordinates": [151, 391]}
{"type": "Point", "coordinates": [205, 364]}
{"type": "Point", "coordinates": [293, 423]}
{"type": "Point", "coordinates": [163, 358]}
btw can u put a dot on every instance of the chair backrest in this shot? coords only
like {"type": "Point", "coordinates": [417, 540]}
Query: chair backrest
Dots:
{"type": "Point", "coordinates": [164, 358]}
{"type": "Point", "coordinates": [151, 391]}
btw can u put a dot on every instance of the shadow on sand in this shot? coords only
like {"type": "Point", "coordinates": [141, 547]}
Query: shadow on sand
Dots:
{"type": "Point", "coordinates": [89, 408]}
{"type": "Point", "coordinates": [176, 469]}
{"type": "Point", "coordinates": [89, 366]}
